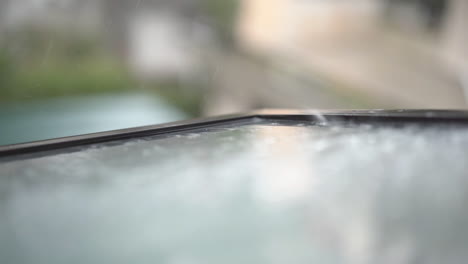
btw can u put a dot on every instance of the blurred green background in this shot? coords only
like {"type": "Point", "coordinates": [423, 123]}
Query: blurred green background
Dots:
{"type": "Point", "coordinates": [73, 67]}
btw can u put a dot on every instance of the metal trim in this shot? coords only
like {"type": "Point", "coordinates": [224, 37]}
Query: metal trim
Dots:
{"type": "Point", "coordinates": [358, 116]}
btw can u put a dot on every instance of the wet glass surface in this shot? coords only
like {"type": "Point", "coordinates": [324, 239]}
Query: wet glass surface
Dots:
{"type": "Point", "coordinates": [251, 194]}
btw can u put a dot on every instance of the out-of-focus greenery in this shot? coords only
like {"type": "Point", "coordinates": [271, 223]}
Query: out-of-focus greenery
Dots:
{"type": "Point", "coordinates": [187, 98]}
{"type": "Point", "coordinates": [224, 15]}
{"type": "Point", "coordinates": [6, 72]}
{"type": "Point", "coordinates": [61, 79]}
{"type": "Point", "coordinates": [37, 64]}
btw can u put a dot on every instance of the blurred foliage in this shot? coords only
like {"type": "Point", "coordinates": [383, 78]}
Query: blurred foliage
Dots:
{"type": "Point", "coordinates": [224, 15]}
{"type": "Point", "coordinates": [37, 64]}
{"type": "Point", "coordinates": [187, 98]}
{"type": "Point", "coordinates": [34, 45]}
{"type": "Point", "coordinates": [6, 71]}
{"type": "Point", "coordinates": [68, 79]}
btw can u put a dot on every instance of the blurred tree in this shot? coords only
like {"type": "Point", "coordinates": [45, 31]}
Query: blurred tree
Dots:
{"type": "Point", "coordinates": [432, 12]}
{"type": "Point", "coordinates": [224, 15]}
{"type": "Point", "coordinates": [6, 72]}
{"type": "Point", "coordinates": [435, 10]}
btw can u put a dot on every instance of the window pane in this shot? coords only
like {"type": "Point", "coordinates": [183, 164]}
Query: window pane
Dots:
{"type": "Point", "coordinates": [264, 193]}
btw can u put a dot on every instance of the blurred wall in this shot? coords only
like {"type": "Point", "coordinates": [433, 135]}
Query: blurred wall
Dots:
{"type": "Point", "coordinates": [456, 34]}
{"type": "Point", "coordinates": [273, 24]}
{"type": "Point", "coordinates": [396, 53]}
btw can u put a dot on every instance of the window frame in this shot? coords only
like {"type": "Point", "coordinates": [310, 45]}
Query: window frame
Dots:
{"type": "Point", "coordinates": [457, 117]}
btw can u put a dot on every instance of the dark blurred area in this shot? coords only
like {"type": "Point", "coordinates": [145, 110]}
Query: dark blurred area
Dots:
{"type": "Point", "coordinates": [79, 66]}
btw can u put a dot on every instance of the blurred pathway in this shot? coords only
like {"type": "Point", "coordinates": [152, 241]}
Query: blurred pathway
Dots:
{"type": "Point", "coordinates": [393, 71]}
{"type": "Point", "coordinates": [383, 71]}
